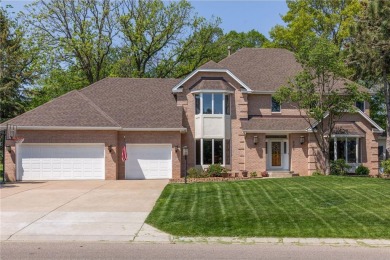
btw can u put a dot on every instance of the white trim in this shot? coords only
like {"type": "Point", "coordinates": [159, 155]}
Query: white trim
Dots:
{"type": "Point", "coordinates": [212, 91]}
{"type": "Point", "coordinates": [379, 129]}
{"type": "Point", "coordinates": [176, 89]}
{"type": "Point", "coordinates": [66, 128]}
{"type": "Point", "coordinates": [258, 92]}
{"type": "Point", "coordinates": [182, 130]}
{"type": "Point", "coordinates": [276, 132]}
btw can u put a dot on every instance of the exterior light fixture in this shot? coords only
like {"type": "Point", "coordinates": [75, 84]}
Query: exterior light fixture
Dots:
{"type": "Point", "coordinates": [302, 139]}
{"type": "Point", "coordinates": [110, 148]}
{"type": "Point", "coordinates": [176, 148]}
{"type": "Point", "coordinates": [185, 154]}
{"type": "Point", "coordinates": [8, 148]}
{"type": "Point", "coordinates": [255, 139]}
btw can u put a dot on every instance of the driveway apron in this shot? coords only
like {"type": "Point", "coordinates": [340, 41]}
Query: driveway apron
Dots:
{"type": "Point", "coordinates": [76, 210]}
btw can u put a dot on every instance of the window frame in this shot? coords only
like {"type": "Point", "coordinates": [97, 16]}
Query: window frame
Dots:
{"type": "Point", "coordinates": [357, 147]}
{"type": "Point", "coordinates": [201, 153]}
{"type": "Point", "coordinates": [364, 105]}
{"type": "Point", "coordinates": [225, 109]}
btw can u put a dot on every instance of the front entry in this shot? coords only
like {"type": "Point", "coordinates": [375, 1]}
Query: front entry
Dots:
{"type": "Point", "coordinates": [277, 154]}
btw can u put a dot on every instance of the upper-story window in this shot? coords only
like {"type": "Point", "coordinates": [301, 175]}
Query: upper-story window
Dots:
{"type": "Point", "coordinates": [275, 107]}
{"type": "Point", "coordinates": [212, 104]}
{"type": "Point", "coordinates": [360, 105]}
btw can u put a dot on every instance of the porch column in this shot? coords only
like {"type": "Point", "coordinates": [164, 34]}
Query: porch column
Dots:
{"type": "Point", "coordinates": [357, 149]}
{"type": "Point", "coordinates": [335, 148]}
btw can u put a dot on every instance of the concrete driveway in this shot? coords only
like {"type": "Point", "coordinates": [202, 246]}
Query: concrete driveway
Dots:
{"type": "Point", "coordinates": [76, 210]}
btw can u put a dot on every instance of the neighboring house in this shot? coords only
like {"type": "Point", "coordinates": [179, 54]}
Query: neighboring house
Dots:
{"type": "Point", "coordinates": [223, 112]}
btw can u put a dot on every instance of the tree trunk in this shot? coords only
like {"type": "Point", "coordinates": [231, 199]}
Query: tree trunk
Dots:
{"type": "Point", "coordinates": [387, 100]}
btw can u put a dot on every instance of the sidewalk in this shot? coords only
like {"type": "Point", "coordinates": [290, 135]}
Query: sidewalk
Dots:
{"type": "Point", "coordinates": [149, 234]}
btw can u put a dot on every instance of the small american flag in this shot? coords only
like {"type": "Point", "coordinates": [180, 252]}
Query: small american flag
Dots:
{"type": "Point", "coordinates": [124, 152]}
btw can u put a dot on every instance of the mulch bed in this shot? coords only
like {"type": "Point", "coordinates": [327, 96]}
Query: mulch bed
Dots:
{"type": "Point", "coordinates": [211, 179]}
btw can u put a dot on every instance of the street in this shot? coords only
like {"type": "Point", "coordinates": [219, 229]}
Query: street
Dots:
{"type": "Point", "coordinates": [103, 250]}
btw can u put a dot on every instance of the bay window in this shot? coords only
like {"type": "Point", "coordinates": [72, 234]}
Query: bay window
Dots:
{"type": "Point", "coordinates": [346, 148]}
{"type": "Point", "coordinates": [212, 151]}
{"type": "Point", "coordinates": [212, 104]}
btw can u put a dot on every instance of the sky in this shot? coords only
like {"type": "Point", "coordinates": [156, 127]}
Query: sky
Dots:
{"type": "Point", "coordinates": [241, 16]}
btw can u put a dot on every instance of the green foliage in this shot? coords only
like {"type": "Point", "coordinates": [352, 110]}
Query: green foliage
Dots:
{"type": "Point", "coordinates": [309, 19]}
{"type": "Point", "coordinates": [317, 173]}
{"type": "Point", "coordinates": [339, 167]}
{"type": "Point", "coordinates": [320, 92]}
{"type": "Point", "coordinates": [216, 170]}
{"type": "Point", "coordinates": [195, 172]}
{"type": "Point", "coordinates": [362, 170]}
{"type": "Point", "coordinates": [253, 174]}
{"type": "Point", "coordinates": [386, 166]}
{"type": "Point", "coordinates": [17, 67]}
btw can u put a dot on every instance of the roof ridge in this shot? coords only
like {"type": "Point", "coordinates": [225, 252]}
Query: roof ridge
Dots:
{"type": "Point", "coordinates": [44, 104]}
{"type": "Point", "coordinates": [98, 109]}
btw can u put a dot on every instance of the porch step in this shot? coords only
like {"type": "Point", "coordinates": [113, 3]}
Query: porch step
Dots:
{"type": "Point", "coordinates": [281, 174]}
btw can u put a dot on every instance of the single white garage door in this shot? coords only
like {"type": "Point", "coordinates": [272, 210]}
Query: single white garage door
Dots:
{"type": "Point", "coordinates": [149, 161]}
{"type": "Point", "coordinates": [60, 161]}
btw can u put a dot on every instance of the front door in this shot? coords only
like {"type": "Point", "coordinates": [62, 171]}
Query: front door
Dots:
{"type": "Point", "coordinates": [276, 154]}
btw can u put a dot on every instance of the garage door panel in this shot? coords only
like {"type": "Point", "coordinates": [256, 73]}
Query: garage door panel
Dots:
{"type": "Point", "coordinates": [60, 162]}
{"type": "Point", "coordinates": [149, 162]}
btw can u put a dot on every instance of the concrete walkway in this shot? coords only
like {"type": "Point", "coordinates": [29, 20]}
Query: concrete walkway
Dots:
{"type": "Point", "coordinates": [76, 210]}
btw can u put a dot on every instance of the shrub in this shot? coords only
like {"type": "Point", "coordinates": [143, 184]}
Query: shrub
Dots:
{"type": "Point", "coordinates": [362, 170]}
{"type": "Point", "coordinates": [197, 173]}
{"type": "Point", "coordinates": [386, 166]}
{"type": "Point", "coordinates": [317, 173]}
{"type": "Point", "coordinates": [339, 167]}
{"type": "Point", "coordinates": [216, 170]}
{"type": "Point", "coordinates": [253, 174]}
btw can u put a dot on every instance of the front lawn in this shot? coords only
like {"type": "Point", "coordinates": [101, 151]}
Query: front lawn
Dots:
{"type": "Point", "coordinates": [295, 207]}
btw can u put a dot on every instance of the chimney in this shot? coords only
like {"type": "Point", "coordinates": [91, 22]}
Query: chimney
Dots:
{"type": "Point", "coordinates": [229, 50]}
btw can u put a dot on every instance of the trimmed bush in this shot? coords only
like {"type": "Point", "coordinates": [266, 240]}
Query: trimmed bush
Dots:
{"type": "Point", "coordinates": [197, 173]}
{"type": "Point", "coordinates": [362, 170]}
{"type": "Point", "coordinates": [216, 170]}
{"type": "Point", "coordinates": [253, 174]}
{"type": "Point", "coordinates": [386, 166]}
{"type": "Point", "coordinates": [317, 173]}
{"type": "Point", "coordinates": [339, 167]}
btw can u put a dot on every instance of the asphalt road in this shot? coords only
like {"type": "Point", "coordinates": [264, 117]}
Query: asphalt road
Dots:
{"type": "Point", "coordinates": [80, 250]}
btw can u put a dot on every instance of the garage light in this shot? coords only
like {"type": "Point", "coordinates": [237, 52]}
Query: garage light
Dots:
{"type": "Point", "coordinates": [302, 139]}
{"type": "Point", "coordinates": [8, 148]}
{"type": "Point", "coordinates": [110, 148]}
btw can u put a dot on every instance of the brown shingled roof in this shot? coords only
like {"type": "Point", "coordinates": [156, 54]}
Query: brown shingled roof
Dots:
{"type": "Point", "coordinates": [137, 103]}
{"type": "Point", "coordinates": [212, 83]}
{"type": "Point", "coordinates": [69, 110]}
{"type": "Point", "coordinates": [275, 124]}
{"type": "Point", "coordinates": [262, 69]}
{"type": "Point", "coordinates": [211, 65]}
{"type": "Point", "coordinates": [111, 102]}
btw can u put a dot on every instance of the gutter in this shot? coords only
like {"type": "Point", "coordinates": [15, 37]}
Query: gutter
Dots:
{"type": "Point", "coordinates": [73, 128]}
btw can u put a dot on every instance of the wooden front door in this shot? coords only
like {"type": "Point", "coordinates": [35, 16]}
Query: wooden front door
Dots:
{"type": "Point", "coordinates": [276, 154]}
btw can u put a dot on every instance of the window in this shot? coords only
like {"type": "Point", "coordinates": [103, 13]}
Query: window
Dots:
{"type": "Point", "coordinates": [347, 148]}
{"type": "Point", "coordinates": [285, 147]}
{"type": "Point", "coordinates": [197, 104]}
{"type": "Point", "coordinates": [275, 105]}
{"type": "Point", "coordinates": [214, 151]}
{"type": "Point", "coordinates": [207, 103]}
{"type": "Point", "coordinates": [212, 103]}
{"type": "Point", "coordinates": [218, 104]}
{"type": "Point", "coordinates": [381, 153]}
{"type": "Point", "coordinates": [360, 105]}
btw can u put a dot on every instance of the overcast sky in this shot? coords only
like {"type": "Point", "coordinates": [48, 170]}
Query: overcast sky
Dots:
{"type": "Point", "coordinates": [241, 16]}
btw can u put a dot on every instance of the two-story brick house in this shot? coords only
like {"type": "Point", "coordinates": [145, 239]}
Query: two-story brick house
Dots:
{"type": "Point", "coordinates": [223, 112]}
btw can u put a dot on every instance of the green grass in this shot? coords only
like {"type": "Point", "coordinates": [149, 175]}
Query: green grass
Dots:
{"type": "Point", "coordinates": [295, 207]}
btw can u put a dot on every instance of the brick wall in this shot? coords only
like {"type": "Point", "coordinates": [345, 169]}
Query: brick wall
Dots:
{"type": "Point", "coordinates": [255, 155]}
{"type": "Point", "coordinates": [260, 105]}
{"type": "Point", "coordinates": [299, 154]}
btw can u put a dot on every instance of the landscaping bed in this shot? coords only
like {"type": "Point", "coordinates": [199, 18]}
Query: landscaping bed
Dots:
{"type": "Point", "coordinates": [323, 206]}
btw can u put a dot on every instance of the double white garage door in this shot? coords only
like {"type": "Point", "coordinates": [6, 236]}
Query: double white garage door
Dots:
{"type": "Point", "coordinates": [86, 161]}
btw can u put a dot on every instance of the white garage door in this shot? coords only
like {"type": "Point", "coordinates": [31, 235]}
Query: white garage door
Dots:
{"type": "Point", "coordinates": [149, 162]}
{"type": "Point", "coordinates": [60, 161]}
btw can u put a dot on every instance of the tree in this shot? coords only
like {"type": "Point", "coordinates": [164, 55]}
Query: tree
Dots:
{"type": "Point", "coordinates": [160, 36]}
{"type": "Point", "coordinates": [315, 18]}
{"type": "Point", "coordinates": [370, 51]}
{"type": "Point", "coordinates": [319, 92]}
{"type": "Point", "coordinates": [76, 33]}
{"type": "Point", "coordinates": [17, 67]}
